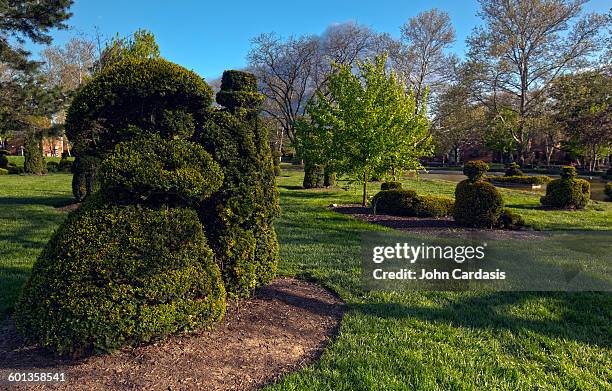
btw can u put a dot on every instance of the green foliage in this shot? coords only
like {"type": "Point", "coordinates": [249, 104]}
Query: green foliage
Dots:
{"type": "Point", "coordinates": [238, 218]}
{"type": "Point", "coordinates": [477, 203]}
{"type": "Point", "coordinates": [239, 89]}
{"type": "Point", "coordinates": [400, 202]}
{"type": "Point", "coordinates": [65, 165]}
{"type": "Point", "coordinates": [313, 176]}
{"type": "Point", "coordinates": [4, 171]}
{"type": "Point", "coordinates": [513, 170]}
{"type": "Point", "coordinates": [510, 220]}
{"type": "Point", "coordinates": [277, 160]}
{"type": "Point", "coordinates": [113, 276]}
{"type": "Point", "coordinates": [567, 192]}
{"type": "Point", "coordinates": [140, 46]}
{"type": "Point", "coordinates": [523, 180]}
{"type": "Point", "coordinates": [568, 172]}
{"type": "Point", "coordinates": [475, 170]}
{"type": "Point", "coordinates": [84, 183]}
{"type": "Point", "coordinates": [392, 185]}
{"type": "Point", "coordinates": [34, 163]}
{"type": "Point", "coordinates": [172, 101]}
{"type": "Point", "coordinates": [329, 177]}
{"type": "Point", "coordinates": [52, 166]}
{"type": "Point", "coordinates": [3, 161]}
{"type": "Point", "coordinates": [155, 169]}
{"type": "Point", "coordinates": [365, 125]}
{"type": "Point", "coordinates": [608, 191]}
{"type": "Point", "coordinates": [13, 169]}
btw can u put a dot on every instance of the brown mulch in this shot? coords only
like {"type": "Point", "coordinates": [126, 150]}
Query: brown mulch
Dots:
{"type": "Point", "coordinates": [283, 327]}
{"type": "Point", "coordinates": [69, 207]}
{"type": "Point", "coordinates": [438, 226]}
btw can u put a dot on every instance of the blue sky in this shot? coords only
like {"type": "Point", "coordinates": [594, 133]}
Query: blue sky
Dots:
{"type": "Point", "coordinates": [210, 36]}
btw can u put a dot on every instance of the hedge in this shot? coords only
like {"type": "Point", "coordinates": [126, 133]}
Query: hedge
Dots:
{"type": "Point", "coordinates": [523, 180]}
{"type": "Point", "coordinates": [313, 176]}
{"type": "Point", "coordinates": [398, 202]}
{"type": "Point", "coordinates": [477, 204]}
{"type": "Point", "coordinates": [390, 185]}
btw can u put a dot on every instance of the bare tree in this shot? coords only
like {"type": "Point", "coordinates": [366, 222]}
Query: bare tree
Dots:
{"type": "Point", "coordinates": [422, 57]}
{"type": "Point", "coordinates": [524, 46]}
{"type": "Point", "coordinates": [291, 70]}
{"type": "Point", "coordinates": [68, 67]}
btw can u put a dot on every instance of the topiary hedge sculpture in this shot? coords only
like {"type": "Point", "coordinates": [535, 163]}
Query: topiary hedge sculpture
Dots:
{"type": "Point", "coordinates": [238, 218]}
{"type": "Point", "coordinates": [568, 192]}
{"type": "Point", "coordinates": [132, 264]}
{"type": "Point", "coordinates": [314, 176]}
{"type": "Point", "coordinates": [513, 170]}
{"type": "Point", "coordinates": [477, 203]}
{"type": "Point", "coordinates": [133, 98]}
{"type": "Point", "coordinates": [398, 202]}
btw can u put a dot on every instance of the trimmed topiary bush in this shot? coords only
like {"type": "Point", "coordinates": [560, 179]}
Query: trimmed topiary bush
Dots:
{"type": "Point", "coordinates": [477, 204]}
{"type": "Point", "coordinates": [52, 166]}
{"type": "Point", "coordinates": [567, 192]}
{"type": "Point", "coordinates": [329, 177]}
{"type": "Point", "coordinates": [114, 276]}
{"type": "Point", "coordinates": [33, 162]}
{"type": "Point", "coordinates": [522, 180]}
{"type": "Point", "coordinates": [608, 191]}
{"type": "Point", "coordinates": [4, 171]}
{"type": "Point", "coordinates": [392, 185]}
{"type": "Point", "coordinates": [398, 202]}
{"type": "Point", "coordinates": [313, 176]}
{"type": "Point", "coordinates": [277, 160]}
{"type": "Point", "coordinates": [510, 220]}
{"type": "Point", "coordinates": [238, 219]}
{"type": "Point", "coordinates": [475, 170]}
{"type": "Point", "coordinates": [171, 101]}
{"type": "Point", "coordinates": [132, 264]}
{"type": "Point", "coordinates": [513, 170]}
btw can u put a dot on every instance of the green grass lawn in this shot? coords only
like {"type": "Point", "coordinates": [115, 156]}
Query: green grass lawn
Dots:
{"type": "Point", "coordinates": [387, 340]}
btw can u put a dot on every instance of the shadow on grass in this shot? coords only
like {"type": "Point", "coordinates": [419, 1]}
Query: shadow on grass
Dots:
{"type": "Point", "coordinates": [56, 201]}
{"type": "Point", "coordinates": [584, 317]}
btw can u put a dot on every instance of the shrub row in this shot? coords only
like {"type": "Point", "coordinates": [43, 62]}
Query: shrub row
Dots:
{"type": "Point", "coordinates": [522, 180]}
{"type": "Point", "coordinates": [400, 202]}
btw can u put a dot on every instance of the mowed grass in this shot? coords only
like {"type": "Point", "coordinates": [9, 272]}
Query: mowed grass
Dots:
{"type": "Point", "coordinates": [387, 340]}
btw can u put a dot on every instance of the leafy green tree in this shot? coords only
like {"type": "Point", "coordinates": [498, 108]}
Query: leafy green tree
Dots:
{"type": "Point", "coordinates": [583, 108]}
{"type": "Point", "coordinates": [366, 126]}
{"type": "Point", "coordinates": [141, 45]}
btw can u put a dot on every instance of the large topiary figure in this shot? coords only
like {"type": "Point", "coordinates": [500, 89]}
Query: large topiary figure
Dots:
{"type": "Point", "coordinates": [238, 218]}
{"type": "Point", "coordinates": [314, 176]}
{"type": "Point", "coordinates": [568, 192]}
{"type": "Point", "coordinates": [130, 99]}
{"type": "Point", "coordinates": [477, 203]}
{"type": "Point", "coordinates": [132, 264]}
{"type": "Point", "coordinates": [513, 169]}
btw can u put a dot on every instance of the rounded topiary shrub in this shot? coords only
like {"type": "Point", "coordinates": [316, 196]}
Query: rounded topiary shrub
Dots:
{"type": "Point", "coordinates": [567, 192]}
{"type": "Point", "coordinates": [475, 170]}
{"type": "Point", "coordinates": [608, 191]}
{"type": "Point", "coordinates": [131, 99]}
{"type": "Point", "coordinates": [510, 220]}
{"type": "Point", "coordinates": [114, 276]}
{"type": "Point", "coordinates": [391, 185]}
{"type": "Point", "coordinates": [477, 204]}
{"type": "Point", "coordinates": [313, 176]}
{"type": "Point", "coordinates": [513, 169]}
{"type": "Point", "coordinates": [398, 202]}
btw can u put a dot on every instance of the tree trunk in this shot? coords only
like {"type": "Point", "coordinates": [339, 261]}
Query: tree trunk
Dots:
{"type": "Point", "coordinates": [365, 189]}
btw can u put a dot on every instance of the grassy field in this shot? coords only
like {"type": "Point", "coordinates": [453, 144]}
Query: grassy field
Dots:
{"type": "Point", "coordinates": [387, 340]}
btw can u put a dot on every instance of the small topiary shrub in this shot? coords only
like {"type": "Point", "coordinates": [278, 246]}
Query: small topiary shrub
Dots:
{"type": "Point", "coordinates": [313, 176]}
{"type": "Point", "coordinates": [33, 162]}
{"type": "Point", "coordinates": [475, 170]}
{"type": "Point", "coordinates": [329, 177]}
{"type": "Point", "coordinates": [513, 170]}
{"type": "Point", "coordinates": [567, 192]}
{"type": "Point", "coordinates": [277, 160]}
{"type": "Point", "coordinates": [3, 159]}
{"type": "Point", "coordinates": [510, 220]}
{"type": "Point", "coordinates": [608, 191]}
{"type": "Point", "coordinates": [65, 165]}
{"type": "Point", "coordinates": [398, 202]}
{"type": "Point", "coordinates": [52, 166]}
{"type": "Point", "coordinates": [4, 171]}
{"type": "Point", "coordinates": [392, 185]}
{"type": "Point", "coordinates": [477, 204]}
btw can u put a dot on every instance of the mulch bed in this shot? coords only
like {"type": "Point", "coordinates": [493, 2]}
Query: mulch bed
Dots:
{"type": "Point", "coordinates": [440, 226]}
{"type": "Point", "coordinates": [285, 326]}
